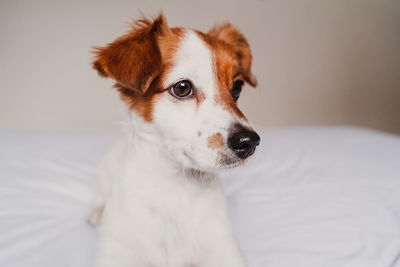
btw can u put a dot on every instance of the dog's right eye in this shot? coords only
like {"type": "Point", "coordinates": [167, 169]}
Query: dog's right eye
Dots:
{"type": "Point", "coordinates": [181, 89]}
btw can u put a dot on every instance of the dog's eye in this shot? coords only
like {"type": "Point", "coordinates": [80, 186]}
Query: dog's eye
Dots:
{"type": "Point", "coordinates": [236, 89]}
{"type": "Point", "coordinates": [181, 89]}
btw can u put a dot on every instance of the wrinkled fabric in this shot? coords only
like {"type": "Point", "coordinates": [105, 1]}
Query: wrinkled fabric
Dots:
{"type": "Point", "coordinates": [315, 197]}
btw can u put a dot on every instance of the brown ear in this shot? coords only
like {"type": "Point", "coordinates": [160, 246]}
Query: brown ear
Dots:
{"type": "Point", "coordinates": [134, 59]}
{"type": "Point", "coordinates": [229, 34]}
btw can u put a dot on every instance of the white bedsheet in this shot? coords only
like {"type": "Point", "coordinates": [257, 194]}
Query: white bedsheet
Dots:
{"type": "Point", "coordinates": [315, 197]}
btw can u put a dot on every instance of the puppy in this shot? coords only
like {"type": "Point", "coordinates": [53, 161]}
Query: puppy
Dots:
{"type": "Point", "coordinates": [162, 200]}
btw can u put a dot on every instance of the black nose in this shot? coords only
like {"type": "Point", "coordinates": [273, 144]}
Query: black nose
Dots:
{"type": "Point", "coordinates": [244, 143]}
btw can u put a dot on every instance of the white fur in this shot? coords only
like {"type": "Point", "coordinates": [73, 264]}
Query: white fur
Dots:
{"type": "Point", "coordinates": [165, 207]}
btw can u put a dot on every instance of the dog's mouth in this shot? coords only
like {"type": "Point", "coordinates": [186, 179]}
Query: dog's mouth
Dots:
{"type": "Point", "coordinates": [229, 160]}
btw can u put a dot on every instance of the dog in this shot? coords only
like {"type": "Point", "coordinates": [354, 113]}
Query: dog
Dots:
{"type": "Point", "coordinates": [160, 201]}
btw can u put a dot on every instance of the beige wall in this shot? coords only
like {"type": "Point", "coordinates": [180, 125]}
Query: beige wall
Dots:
{"type": "Point", "coordinates": [317, 62]}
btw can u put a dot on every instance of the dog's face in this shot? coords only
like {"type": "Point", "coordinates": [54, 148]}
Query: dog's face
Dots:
{"type": "Point", "coordinates": [184, 85]}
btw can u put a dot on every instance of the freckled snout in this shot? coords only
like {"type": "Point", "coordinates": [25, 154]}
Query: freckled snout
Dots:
{"type": "Point", "coordinates": [244, 143]}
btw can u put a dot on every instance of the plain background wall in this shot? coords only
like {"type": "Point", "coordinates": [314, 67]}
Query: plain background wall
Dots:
{"type": "Point", "coordinates": [317, 62]}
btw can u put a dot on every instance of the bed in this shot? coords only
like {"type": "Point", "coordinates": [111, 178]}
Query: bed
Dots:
{"type": "Point", "coordinates": [315, 197]}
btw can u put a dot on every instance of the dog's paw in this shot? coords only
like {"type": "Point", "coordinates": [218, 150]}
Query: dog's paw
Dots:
{"type": "Point", "coordinates": [94, 217]}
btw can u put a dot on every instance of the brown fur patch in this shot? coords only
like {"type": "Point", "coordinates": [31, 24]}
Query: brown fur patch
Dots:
{"type": "Point", "coordinates": [143, 103]}
{"type": "Point", "coordinates": [232, 58]}
{"type": "Point", "coordinates": [138, 60]}
{"type": "Point", "coordinates": [227, 66]}
{"type": "Point", "coordinates": [133, 60]}
{"type": "Point", "coordinates": [215, 141]}
{"type": "Point", "coordinates": [232, 36]}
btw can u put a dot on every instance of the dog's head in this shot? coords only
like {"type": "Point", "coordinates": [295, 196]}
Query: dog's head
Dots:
{"type": "Point", "coordinates": [184, 86]}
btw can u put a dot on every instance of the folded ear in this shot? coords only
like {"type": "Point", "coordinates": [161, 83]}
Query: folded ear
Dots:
{"type": "Point", "coordinates": [134, 59]}
{"type": "Point", "coordinates": [230, 35]}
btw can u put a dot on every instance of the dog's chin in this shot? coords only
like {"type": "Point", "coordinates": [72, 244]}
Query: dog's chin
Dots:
{"type": "Point", "coordinates": [226, 159]}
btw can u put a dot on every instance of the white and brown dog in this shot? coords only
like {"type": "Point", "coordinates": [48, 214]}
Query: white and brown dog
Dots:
{"type": "Point", "coordinates": [164, 204]}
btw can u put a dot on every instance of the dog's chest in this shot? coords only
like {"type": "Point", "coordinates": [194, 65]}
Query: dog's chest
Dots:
{"type": "Point", "coordinates": [181, 223]}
